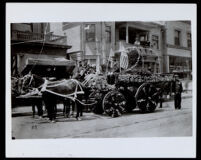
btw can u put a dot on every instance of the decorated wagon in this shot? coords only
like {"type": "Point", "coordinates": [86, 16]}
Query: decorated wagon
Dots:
{"type": "Point", "coordinates": [122, 92]}
{"type": "Point", "coordinates": [112, 94]}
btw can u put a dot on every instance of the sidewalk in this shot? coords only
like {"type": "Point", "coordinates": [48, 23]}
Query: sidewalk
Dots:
{"type": "Point", "coordinates": [187, 85]}
{"type": "Point", "coordinates": [184, 95]}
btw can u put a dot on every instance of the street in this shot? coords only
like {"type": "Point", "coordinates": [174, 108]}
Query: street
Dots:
{"type": "Point", "coordinates": [164, 122]}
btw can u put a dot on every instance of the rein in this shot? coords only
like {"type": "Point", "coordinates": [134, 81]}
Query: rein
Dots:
{"type": "Point", "coordinates": [31, 80]}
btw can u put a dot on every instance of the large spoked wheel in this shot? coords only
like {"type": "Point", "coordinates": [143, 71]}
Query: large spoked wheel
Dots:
{"type": "Point", "coordinates": [114, 104]}
{"type": "Point", "coordinates": [147, 97]}
{"type": "Point", "coordinates": [96, 97]}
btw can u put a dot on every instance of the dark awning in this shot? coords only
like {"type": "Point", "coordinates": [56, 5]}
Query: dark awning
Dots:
{"type": "Point", "coordinates": [40, 65]}
{"type": "Point", "coordinates": [50, 62]}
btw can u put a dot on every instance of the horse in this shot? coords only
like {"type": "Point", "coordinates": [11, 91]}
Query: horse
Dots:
{"type": "Point", "coordinates": [52, 91]}
{"type": "Point", "coordinates": [164, 88]}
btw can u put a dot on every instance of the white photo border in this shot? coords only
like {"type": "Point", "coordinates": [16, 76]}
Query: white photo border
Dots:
{"type": "Point", "coordinates": [182, 147]}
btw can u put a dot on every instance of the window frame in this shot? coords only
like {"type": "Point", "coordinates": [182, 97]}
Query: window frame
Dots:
{"type": "Point", "coordinates": [189, 33]}
{"type": "Point", "coordinates": [87, 34]}
{"type": "Point", "coordinates": [122, 33]}
{"type": "Point", "coordinates": [178, 41]}
{"type": "Point", "coordinates": [108, 33]}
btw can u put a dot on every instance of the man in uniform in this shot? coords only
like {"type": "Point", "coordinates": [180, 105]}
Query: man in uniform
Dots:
{"type": "Point", "coordinates": [178, 90]}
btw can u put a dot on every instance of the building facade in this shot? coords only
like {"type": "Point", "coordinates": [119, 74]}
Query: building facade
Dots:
{"type": "Point", "coordinates": [179, 50]}
{"type": "Point", "coordinates": [93, 41]}
{"type": "Point", "coordinates": [35, 48]}
{"type": "Point", "coordinates": [169, 41]}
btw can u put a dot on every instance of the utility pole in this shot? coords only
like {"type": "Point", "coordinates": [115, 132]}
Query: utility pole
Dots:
{"type": "Point", "coordinates": [165, 59]}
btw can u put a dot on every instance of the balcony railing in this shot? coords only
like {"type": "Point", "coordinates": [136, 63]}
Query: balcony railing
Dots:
{"type": "Point", "coordinates": [145, 48]}
{"type": "Point", "coordinates": [38, 37]}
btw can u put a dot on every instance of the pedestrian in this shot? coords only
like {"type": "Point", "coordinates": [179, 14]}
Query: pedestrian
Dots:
{"type": "Point", "coordinates": [177, 91]}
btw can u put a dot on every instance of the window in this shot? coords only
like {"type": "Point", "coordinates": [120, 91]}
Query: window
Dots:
{"type": "Point", "coordinates": [108, 33]}
{"type": "Point", "coordinates": [189, 40]}
{"type": "Point", "coordinates": [177, 38]}
{"type": "Point", "coordinates": [122, 33]}
{"type": "Point", "coordinates": [90, 32]}
{"type": "Point", "coordinates": [155, 42]}
{"type": "Point", "coordinates": [28, 27]}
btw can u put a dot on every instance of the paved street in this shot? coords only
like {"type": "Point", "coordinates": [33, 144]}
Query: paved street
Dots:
{"type": "Point", "coordinates": [164, 122]}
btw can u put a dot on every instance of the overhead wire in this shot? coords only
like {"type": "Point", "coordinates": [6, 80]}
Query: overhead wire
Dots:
{"type": "Point", "coordinates": [41, 47]}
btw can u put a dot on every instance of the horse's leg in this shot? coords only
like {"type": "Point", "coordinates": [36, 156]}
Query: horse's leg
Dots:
{"type": "Point", "coordinates": [54, 111]}
{"type": "Point", "coordinates": [81, 109]}
{"type": "Point", "coordinates": [73, 107]}
{"type": "Point", "coordinates": [68, 108]}
{"type": "Point", "coordinates": [78, 111]}
{"type": "Point", "coordinates": [77, 114]}
{"type": "Point", "coordinates": [48, 104]}
{"type": "Point", "coordinates": [49, 110]}
{"type": "Point", "coordinates": [33, 109]}
{"type": "Point", "coordinates": [64, 109]}
{"type": "Point", "coordinates": [39, 106]}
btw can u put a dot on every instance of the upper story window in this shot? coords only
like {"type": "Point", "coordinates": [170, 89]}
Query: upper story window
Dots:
{"type": "Point", "coordinates": [189, 40]}
{"type": "Point", "coordinates": [155, 42]}
{"type": "Point", "coordinates": [177, 35]}
{"type": "Point", "coordinates": [108, 33]}
{"type": "Point", "coordinates": [90, 32]}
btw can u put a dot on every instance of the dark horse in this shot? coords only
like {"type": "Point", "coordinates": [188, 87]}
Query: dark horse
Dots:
{"type": "Point", "coordinates": [164, 88]}
{"type": "Point", "coordinates": [52, 91]}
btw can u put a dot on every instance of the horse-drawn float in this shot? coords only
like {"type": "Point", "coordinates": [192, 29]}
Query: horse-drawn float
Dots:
{"type": "Point", "coordinates": [129, 91]}
{"type": "Point", "coordinates": [113, 94]}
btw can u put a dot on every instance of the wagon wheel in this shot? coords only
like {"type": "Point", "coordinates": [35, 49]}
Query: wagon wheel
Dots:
{"type": "Point", "coordinates": [147, 97]}
{"type": "Point", "coordinates": [114, 103]}
{"type": "Point", "coordinates": [96, 97]}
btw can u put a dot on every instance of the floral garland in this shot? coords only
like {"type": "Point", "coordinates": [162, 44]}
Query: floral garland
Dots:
{"type": "Point", "coordinates": [138, 58]}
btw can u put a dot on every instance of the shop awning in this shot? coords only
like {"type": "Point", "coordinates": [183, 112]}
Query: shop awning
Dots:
{"type": "Point", "coordinates": [40, 65]}
{"type": "Point", "coordinates": [50, 62]}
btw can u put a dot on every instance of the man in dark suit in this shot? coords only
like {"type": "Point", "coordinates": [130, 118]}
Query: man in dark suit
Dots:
{"type": "Point", "coordinates": [177, 90]}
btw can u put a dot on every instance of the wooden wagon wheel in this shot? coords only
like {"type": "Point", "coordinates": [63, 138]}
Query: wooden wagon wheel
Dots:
{"type": "Point", "coordinates": [147, 97]}
{"type": "Point", "coordinates": [114, 103]}
{"type": "Point", "coordinates": [97, 107]}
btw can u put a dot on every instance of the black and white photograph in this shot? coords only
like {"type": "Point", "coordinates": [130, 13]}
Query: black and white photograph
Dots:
{"type": "Point", "coordinates": [100, 79]}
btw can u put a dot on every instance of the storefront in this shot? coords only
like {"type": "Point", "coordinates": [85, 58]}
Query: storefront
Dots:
{"type": "Point", "coordinates": [181, 66]}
